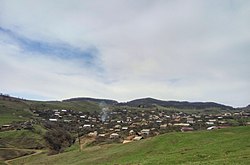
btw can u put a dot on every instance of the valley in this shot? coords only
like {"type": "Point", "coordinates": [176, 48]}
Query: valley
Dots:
{"type": "Point", "coordinates": [35, 132]}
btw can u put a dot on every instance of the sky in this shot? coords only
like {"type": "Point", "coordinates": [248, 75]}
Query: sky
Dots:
{"type": "Point", "coordinates": [196, 50]}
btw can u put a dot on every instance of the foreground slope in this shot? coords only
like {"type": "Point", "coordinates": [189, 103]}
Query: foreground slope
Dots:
{"type": "Point", "coordinates": [225, 146]}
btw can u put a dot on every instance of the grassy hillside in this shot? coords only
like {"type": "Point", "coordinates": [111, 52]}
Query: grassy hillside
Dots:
{"type": "Point", "coordinates": [72, 105]}
{"type": "Point", "coordinates": [13, 109]}
{"type": "Point", "coordinates": [7, 153]}
{"type": "Point", "coordinates": [23, 138]}
{"type": "Point", "coordinates": [151, 102]}
{"type": "Point", "coordinates": [15, 143]}
{"type": "Point", "coordinates": [225, 146]}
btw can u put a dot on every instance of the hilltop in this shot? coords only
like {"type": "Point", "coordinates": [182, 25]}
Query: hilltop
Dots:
{"type": "Point", "coordinates": [17, 109]}
{"type": "Point", "coordinates": [151, 102]}
{"type": "Point", "coordinates": [107, 101]}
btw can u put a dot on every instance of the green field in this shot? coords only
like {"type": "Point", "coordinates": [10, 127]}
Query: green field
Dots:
{"type": "Point", "coordinates": [225, 146]}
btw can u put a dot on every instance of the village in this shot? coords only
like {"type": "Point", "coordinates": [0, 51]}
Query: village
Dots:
{"type": "Point", "coordinates": [126, 125]}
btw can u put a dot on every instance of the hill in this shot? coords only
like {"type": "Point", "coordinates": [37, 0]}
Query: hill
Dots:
{"type": "Point", "coordinates": [17, 143]}
{"type": "Point", "coordinates": [13, 109]}
{"type": "Point", "coordinates": [107, 101]}
{"type": "Point", "coordinates": [225, 146]}
{"type": "Point", "coordinates": [16, 109]}
{"type": "Point", "coordinates": [151, 102]}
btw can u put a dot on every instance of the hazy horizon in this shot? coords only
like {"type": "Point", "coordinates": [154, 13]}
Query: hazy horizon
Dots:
{"type": "Point", "coordinates": [193, 50]}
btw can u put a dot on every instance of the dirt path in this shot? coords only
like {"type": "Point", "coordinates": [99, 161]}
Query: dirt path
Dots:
{"type": "Point", "coordinates": [85, 141]}
{"type": "Point", "coordinates": [10, 160]}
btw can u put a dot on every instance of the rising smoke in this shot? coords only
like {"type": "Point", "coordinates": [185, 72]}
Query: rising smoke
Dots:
{"type": "Point", "coordinates": [104, 112]}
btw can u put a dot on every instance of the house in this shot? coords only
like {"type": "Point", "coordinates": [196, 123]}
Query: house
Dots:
{"type": "Point", "coordinates": [6, 126]}
{"type": "Point", "coordinates": [86, 125]}
{"type": "Point", "coordinates": [131, 132]}
{"type": "Point", "coordinates": [137, 138]}
{"type": "Point", "coordinates": [222, 122]}
{"type": "Point", "coordinates": [210, 123]}
{"type": "Point", "coordinates": [92, 134]}
{"type": "Point", "coordinates": [53, 120]}
{"type": "Point", "coordinates": [211, 128]}
{"type": "Point", "coordinates": [124, 128]}
{"type": "Point", "coordinates": [190, 120]}
{"type": "Point", "coordinates": [158, 121]}
{"type": "Point", "coordinates": [145, 131]}
{"type": "Point", "coordinates": [126, 141]}
{"type": "Point", "coordinates": [182, 124]}
{"type": "Point", "coordinates": [186, 129]}
{"type": "Point", "coordinates": [114, 136]}
{"type": "Point", "coordinates": [163, 126]}
{"type": "Point", "coordinates": [117, 126]}
{"type": "Point", "coordinates": [102, 135]}
{"type": "Point", "coordinates": [117, 130]}
{"type": "Point", "coordinates": [212, 120]}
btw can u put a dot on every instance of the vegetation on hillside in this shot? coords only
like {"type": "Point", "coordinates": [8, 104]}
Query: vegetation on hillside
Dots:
{"type": "Point", "coordinates": [58, 139]}
{"type": "Point", "coordinates": [28, 139]}
{"type": "Point", "coordinates": [15, 109]}
{"type": "Point", "coordinates": [225, 146]}
{"type": "Point", "coordinates": [32, 131]}
{"type": "Point", "coordinates": [151, 102]}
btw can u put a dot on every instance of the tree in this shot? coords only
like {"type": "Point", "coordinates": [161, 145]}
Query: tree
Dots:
{"type": "Point", "coordinates": [58, 139]}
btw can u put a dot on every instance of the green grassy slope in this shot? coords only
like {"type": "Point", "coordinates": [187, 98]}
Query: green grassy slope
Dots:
{"type": "Point", "coordinates": [71, 105]}
{"type": "Point", "coordinates": [6, 154]}
{"type": "Point", "coordinates": [225, 146]}
{"type": "Point", "coordinates": [12, 109]}
{"type": "Point", "coordinates": [19, 143]}
{"type": "Point", "coordinates": [22, 139]}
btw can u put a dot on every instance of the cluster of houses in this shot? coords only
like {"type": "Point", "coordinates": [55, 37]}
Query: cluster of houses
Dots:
{"type": "Point", "coordinates": [18, 125]}
{"type": "Point", "coordinates": [131, 125]}
{"type": "Point", "coordinates": [126, 125]}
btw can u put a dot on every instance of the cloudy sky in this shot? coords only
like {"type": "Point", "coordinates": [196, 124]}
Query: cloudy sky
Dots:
{"type": "Point", "coordinates": [196, 50]}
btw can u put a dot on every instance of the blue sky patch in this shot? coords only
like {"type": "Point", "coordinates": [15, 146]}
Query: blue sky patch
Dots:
{"type": "Point", "coordinates": [60, 50]}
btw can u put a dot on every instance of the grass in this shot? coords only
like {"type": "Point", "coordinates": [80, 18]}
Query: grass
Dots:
{"type": "Point", "coordinates": [19, 110]}
{"type": "Point", "coordinates": [225, 146]}
{"type": "Point", "coordinates": [13, 111]}
{"type": "Point", "coordinates": [22, 139]}
{"type": "Point", "coordinates": [6, 154]}
{"type": "Point", "coordinates": [70, 105]}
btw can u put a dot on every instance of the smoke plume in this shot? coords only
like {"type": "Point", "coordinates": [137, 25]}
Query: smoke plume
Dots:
{"type": "Point", "coordinates": [104, 112]}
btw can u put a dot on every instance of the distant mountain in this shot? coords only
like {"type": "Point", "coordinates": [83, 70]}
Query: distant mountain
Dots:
{"type": "Point", "coordinates": [150, 102]}
{"type": "Point", "coordinates": [107, 101]}
{"type": "Point", "coordinates": [143, 102]}
{"type": "Point", "coordinates": [246, 109]}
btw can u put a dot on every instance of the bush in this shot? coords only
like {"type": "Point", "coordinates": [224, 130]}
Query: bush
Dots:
{"type": "Point", "coordinates": [58, 139]}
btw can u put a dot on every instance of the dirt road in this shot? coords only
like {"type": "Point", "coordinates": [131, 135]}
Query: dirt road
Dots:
{"type": "Point", "coordinates": [36, 152]}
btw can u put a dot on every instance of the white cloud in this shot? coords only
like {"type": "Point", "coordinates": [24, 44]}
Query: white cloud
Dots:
{"type": "Point", "coordinates": [184, 50]}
